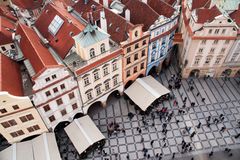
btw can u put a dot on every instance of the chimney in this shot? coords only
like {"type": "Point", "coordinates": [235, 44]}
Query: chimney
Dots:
{"type": "Point", "coordinates": [103, 21]}
{"type": "Point", "coordinates": [144, 1]}
{"type": "Point", "coordinates": [127, 15]}
{"type": "Point", "coordinates": [85, 1]}
{"type": "Point", "coordinates": [105, 3]}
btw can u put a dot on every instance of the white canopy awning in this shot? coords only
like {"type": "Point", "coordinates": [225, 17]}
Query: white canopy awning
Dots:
{"type": "Point", "coordinates": [144, 91]}
{"type": "Point", "coordinates": [83, 133]}
{"type": "Point", "coordinates": [42, 147]}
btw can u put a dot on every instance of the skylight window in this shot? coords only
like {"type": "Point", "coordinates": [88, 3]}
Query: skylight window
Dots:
{"type": "Point", "coordinates": [55, 25]}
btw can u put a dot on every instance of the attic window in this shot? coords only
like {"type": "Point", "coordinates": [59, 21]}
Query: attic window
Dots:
{"type": "Point", "coordinates": [55, 25]}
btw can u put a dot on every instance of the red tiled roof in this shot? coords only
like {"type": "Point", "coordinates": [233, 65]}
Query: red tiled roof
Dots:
{"type": "Point", "coordinates": [6, 12]}
{"type": "Point", "coordinates": [170, 2]}
{"type": "Point", "coordinates": [5, 34]}
{"type": "Point", "coordinates": [33, 50]}
{"type": "Point", "coordinates": [62, 42]}
{"type": "Point", "coordinates": [161, 8]}
{"type": "Point", "coordinates": [138, 12]}
{"type": "Point", "coordinates": [10, 76]}
{"type": "Point", "coordinates": [236, 16]}
{"type": "Point", "coordinates": [28, 4]}
{"type": "Point", "coordinates": [205, 15]}
{"type": "Point", "coordinates": [200, 3]}
{"type": "Point", "coordinates": [117, 25]}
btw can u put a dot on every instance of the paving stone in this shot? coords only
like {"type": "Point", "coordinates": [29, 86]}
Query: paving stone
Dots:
{"type": "Point", "coordinates": [198, 145]}
{"type": "Point", "coordinates": [209, 136]}
{"type": "Point", "coordinates": [213, 143]}
{"type": "Point", "coordinates": [205, 144]}
{"type": "Point", "coordinates": [166, 151]}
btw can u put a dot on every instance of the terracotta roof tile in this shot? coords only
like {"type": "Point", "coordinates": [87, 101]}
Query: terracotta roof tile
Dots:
{"type": "Point", "coordinates": [62, 42]}
{"type": "Point", "coordinates": [138, 12]}
{"type": "Point", "coordinates": [33, 50]}
{"type": "Point", "coordinates": [161, 8]}
{"type": "Point", "coordinates": [5, 34]}
{"type": "Point", "coordinates": [28, 4]}
{"type": "Point", "coordinates": [236, 16]}
{"type": "Point", "coordinates": [6, 12]}
{"type": "Point", "coordinates": [117, 25]}
{"type": "Point", "coordinates": [200, 3]}
{"type": "Point", "coordinates": [170, 2]}
{"type": "Point", "coordinates": [10, 76]}
{"type": "Point", "coordinates": [205, 15]}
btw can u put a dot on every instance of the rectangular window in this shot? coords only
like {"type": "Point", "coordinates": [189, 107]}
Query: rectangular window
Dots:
{"type": "Point", "coordinates": [3, 110]}
{"type": "Point", "coordinates": [143, 53]}
{"type": "Point", "coordinates": [135, 70]}
{"type": "Point", "coordinates": [154, 45]}
{"type": "Point", "coordinates": [98, 90]}
{"type": "Point", "coordinates": [71, 95]}
{"type": "Point", "coordinates": [196, 61]}
{"type": "Point", "coordinates": [107, 87]}
{"type": "Point", "coordinates": [218, 60]}
{"type": "Point", "coordinates": [59, 101]}
{"type": "Point", "coordinates": [223, 31]}
{"type": "Point", "coordinates": [36, 127]}
{"type": "Point", "coordinates": [216, 31]}
{"type": "Point", "coordinates": [96, 76]}
{"type": "Point", "coordinates": [12, 122]}
{"type": "Point", "coordinates": [33, 128]}
{"type": "Point", "coordinates": [128, 49]}
{"type": "Point", "coordinates": [47, 79]}
{"type": "Point", "coordinates": [74, 106]}
{"type": "Point", "coordinates": [55, 25]}
{"type": "Point", "coordinates": [12, 46]}
{"type": "Point", "coordinates": [48, 93]}
{"type": "Point", "coordinates": [89, 95]}
{"type": "Point", "coordinates": [209, 31]}
{"type": "Point", "coordinates": [86, 81]}
{"type": "Point", "coordinates": [208, 59]}
{"type": "Point", "coordinates": [15, 107]}
{"type": "Point", "coordinates": [54, 76]}
{"type": "Point", "coordinates": [212, 50]}
{"type": "Point", "coordinates": [3, 49]}
{"type": "Point", "coordinates": [144, 42]}
{"type": "Point", "coordinates": [200, 50]}
{"type": "Point", "coordinates": [63, 112]}
{"type": "Point", "coordinates": [26, 118]}
{"type": "Point", "coordinates": [215, 42]}
{"type": "Point", "coordinates": [136, 57]}
{"type": "Point", "coordinates": [223, 50]}
{"type": "Point", "coordinates": [115, 81]}
{"type": "Point", "coordinates": [46, 108]}
{"type": "Point", "coordinates": [114, 66]}
{"type": "Point", "coordinates": [227, 41]}
{"type": "Point", "coordinates": [55, 90]}
{"type": "Point", "coordinates": [62, 86]}
{"type": "Point", "coordinates": [14, 134]}
{"type": "Point", "coordinates": [105, 71]}
{"type": "Point", "coordinates": [17, 133]}
{"type": "Point", "coordinates": [136, 46]}
{"type": "Point", "coordinates": [52, 118]}
{"type": "Point", "coordinates": [203, 42]}
{"type": "Point", "coordinates": [128, 60]}
{"type": "Point", "coordinates": [142, 65]}
{"type": "Point", "coordinates": [5, 124]}
{"type": "Point", "coordinates": [128, 73]}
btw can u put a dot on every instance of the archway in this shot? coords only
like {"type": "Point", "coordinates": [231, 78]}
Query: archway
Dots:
{"type": "Point", "coordinates": [128, 84]}
{"type": "Point", "coordinates": [165, 63]}
{"type": "Point", "coordinates": [194, 73]}
{"type": "Point", "coordinates": [78, 115]}
{"type": "Point", "coordinates": [29, 138]}
{"type": "Point", "coordinates": [152, 71]}
{"type": "Point", "coordinates": [226, 73]}
{"type": "Point", "coordinates": [3, 143]}
{"type": "Point", "coordinates": [140, 76]}
{"type": "Point", "coordinates": [237, 74]}
{"type": "Point", "coordinates": [95, 108]}
{"type": "Point", "coordinates": [113, 97]}
{"type": "Point", "coordinates": [60, 126]}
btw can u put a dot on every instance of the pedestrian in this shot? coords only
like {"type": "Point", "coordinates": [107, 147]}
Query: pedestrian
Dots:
{"type": "Point", "coordinates": [223, 129]}
{"type": "Point", "coordinates": [192, 158]}
{"type": "Point", "coordinates": [199, 125]}
{"type": "Point", "coordinates": [148, 156]}
{"type": "Point", "coordinates": [230, 155]}
{"type": "Point", "coordinates": [138, 128]}
{"type": "Point", "coordinates": [157, 154]}
{"type": "Point", "coordinates": [142, 139]}
{"type": "Point", "coordinates": [209, 118]}
{"type": "Point", "coordinates": [210, 154]}
{"type": "Point", "coordinates": [238, 135]}
{"type": "Point", "coordinates": [173, 156]}
{"type": "Point", "coordinates": [177, 121]}
{"type": "Point", "coordinates": [152, 142]}
{"type": "Point", "coordinates": [193, 133]}
{"type": "Point", "coordinates": [198, 94]}
{"type": "Point", "coordinates": [140, 131]}
{"type": "Point", "coordinates": [203, 99]}
{"type": "Point", "coordinates": [127, 157]}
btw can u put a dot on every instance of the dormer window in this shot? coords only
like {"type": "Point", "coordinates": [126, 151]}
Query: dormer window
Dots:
{"type": "Point", "coordinates": [102, 48]}
{"type": "Point", "coordinates": [92, 53]}
{"type": "Point", "coordinates": [55, 25]}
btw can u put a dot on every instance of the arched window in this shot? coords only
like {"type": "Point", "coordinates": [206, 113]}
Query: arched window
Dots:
{"type": "Point", "coordinates": [92, 53]}
{"type": "Point", "coordinates": [102, 48]}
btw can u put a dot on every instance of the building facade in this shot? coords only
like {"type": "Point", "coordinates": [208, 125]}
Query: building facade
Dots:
{"type": "Point", "coordinates": [208, 39]}
{"type": "Point", "coordinates": [19, 119]}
